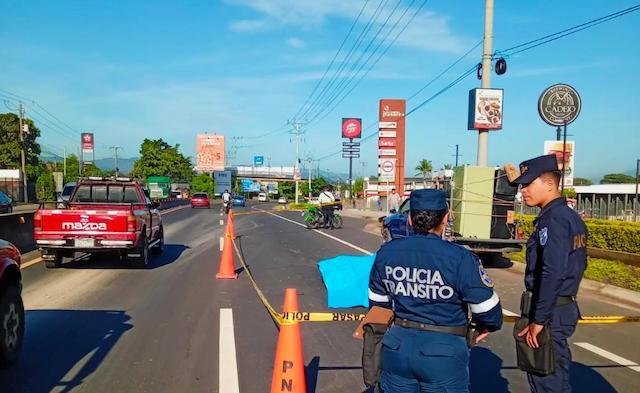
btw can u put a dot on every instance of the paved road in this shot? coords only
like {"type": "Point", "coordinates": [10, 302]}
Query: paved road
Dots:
{"type": "Point", "coordinates": [98, 326]}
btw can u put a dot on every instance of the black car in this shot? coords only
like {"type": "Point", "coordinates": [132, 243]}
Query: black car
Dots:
{"type": "Point", "coordinates": [6, 203]}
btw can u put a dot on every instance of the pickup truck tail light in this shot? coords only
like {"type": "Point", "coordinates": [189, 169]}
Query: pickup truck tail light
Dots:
{"type": "Point", "coordinates": [37, 222]}
{"type": "Point", "coordinates": [131, 223]}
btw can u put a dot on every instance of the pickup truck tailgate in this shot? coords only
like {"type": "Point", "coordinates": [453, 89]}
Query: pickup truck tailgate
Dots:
{"type": "Point", "coordinates": [83, 222]}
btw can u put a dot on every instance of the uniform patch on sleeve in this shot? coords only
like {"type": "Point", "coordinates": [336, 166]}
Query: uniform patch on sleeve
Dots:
{"type": "Point", "coordinates": [484, 277]}
{"type": "Point", "coordinates": [544, 235]}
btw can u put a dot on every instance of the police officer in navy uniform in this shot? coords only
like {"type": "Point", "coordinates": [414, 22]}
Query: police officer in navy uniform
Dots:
{"type": "Point", "coordinates": [431, 285]}
{"type": "Point", "coordinates": [556, 260]}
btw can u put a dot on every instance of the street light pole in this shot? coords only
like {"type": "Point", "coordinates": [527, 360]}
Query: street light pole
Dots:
{"type": "Point", "coordinates": [23, 158]}
{"type": "Point", "coordinates": [635, 201]}
{"type": "Point", "coordinates": [483, 134]}
{"type": "Point", "coordinates": [297, 131]}
{"type": "Point", "coordinates": [115, 151]}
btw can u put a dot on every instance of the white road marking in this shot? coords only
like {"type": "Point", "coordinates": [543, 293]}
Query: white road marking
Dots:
{"type": "Point", "coordinates": [611, 356]}
{"type": "Point", "coordinates": [228, 372]}
{"type": "Point", "coordinates": [509, 313]}
{"type": "Point", "coordinates": [221, 243]}
{"type": "Point", "coordinates": [346, 243]}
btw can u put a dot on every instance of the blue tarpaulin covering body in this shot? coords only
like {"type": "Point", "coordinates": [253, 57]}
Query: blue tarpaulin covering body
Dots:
{"type": "Point", "coordinates": [347, 280]}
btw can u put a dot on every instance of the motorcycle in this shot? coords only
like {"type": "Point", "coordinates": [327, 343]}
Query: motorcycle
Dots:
{"type": "Point", "coordinates": [226, 206]}
{"type": "Point", "coordinates": [314, 218]}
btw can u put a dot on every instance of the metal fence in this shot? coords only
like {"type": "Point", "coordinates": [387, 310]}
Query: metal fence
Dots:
{"type": "Point", "coordinates": [604, 207]}
{"type": "Point", "coordinates": [14, 189]}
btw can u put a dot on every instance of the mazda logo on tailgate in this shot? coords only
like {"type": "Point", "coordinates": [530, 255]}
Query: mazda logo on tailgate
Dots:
{"type": "Point", "coordinates": [85, 226]}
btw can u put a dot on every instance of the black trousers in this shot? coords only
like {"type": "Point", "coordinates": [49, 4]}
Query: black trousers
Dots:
{"type": "Point", "coordinates": [327, 212]}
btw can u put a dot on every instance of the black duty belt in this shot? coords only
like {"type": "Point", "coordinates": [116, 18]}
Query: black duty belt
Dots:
{"type": "Point", "coordinates": [564, 300]}
{"type": "Point", "coordinates": [456, 330]}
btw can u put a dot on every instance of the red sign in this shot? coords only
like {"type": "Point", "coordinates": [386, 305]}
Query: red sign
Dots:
{"type": "Point", "coordinates": [87, 141]}
{"type": "Point", "coordinates": [387, 142]}
{"type": "Point", "coordinates": [351, 128]}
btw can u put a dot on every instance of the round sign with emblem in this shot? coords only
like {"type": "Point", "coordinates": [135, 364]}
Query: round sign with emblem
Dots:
{"type": "Point", "coordinates": [559, 105]}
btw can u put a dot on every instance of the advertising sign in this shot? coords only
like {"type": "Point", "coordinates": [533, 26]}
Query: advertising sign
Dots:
{"type": "Point", "coordinates": [386, 142]}
{"type": "Point", "coordinates": [209, 152]}
{"type": "Point", "coordinates": [485, 109]}
{"type": "Point", "coordinates": [387, 124]}
{"type": "Point", "coordinates": [559, 104]}
{"type": "Point", "coordinates": [222, 181]}
{"type": "Point", "coordinates": [258, 160]}
{"type": "Point", "coordinates": [87, 142]}
{"type": "Point", "coordinates": [351, 127]}
{"type": "Point", "coordinates": [565, 158]}
{"type": "Point", "coordinates": [387, 169]}
{"type": "Point", "coordinates": [391, 141]}
{"type": "Point", "coordinates": [350, 155]}
{"type": "Point", "coordinates": [250, 185]}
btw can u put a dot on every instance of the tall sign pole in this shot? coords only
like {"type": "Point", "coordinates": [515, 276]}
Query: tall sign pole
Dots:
{"type": "Point", "coordinates": [483, 134]}
{"type": "Point", "coordinates": [351, 129]}
{"type": "Point", "coordinates": [297, 132]}
{"type": "Point", "coordinates": [23, 148]}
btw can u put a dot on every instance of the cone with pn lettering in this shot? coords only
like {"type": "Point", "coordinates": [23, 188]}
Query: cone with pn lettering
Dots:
{"type": "Point", "coordinates": [227, 269]}
{"type": "Point", "coordinates": [288, 367]}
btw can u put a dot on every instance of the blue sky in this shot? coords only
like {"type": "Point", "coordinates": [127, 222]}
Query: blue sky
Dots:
{"type": "Point", "coordinates": [136, 69]}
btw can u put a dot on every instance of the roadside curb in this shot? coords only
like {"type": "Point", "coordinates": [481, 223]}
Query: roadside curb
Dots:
{"type": "Point", "coordinates": [610, 291]}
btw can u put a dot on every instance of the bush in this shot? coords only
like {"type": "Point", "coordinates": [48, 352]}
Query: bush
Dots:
{"type": "Point", "coordinates": [299, 206]}
{"type": "Point", "coordinates": [608, 235]}
{"type": "Point", "coordinates": [46, 187]}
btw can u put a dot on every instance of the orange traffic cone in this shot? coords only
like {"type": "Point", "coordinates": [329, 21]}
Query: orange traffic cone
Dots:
{"type": "Point", "coordinates": [230, 228]}
{"type": "Point", "coordinates": [288, 366]}
{"type": "Point", "coordinates": [227, 267]}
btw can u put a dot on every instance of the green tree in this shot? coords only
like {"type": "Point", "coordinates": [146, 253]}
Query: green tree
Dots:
{"type": "Point", "coordinates": [317, 185]}
{"type": "Point", "coordinates": [569, 193]}
{"type": "Point", "coordinates": [45, 187]}
{"type": "Point", "coordinates": [358, 186]}
{"type": "Point", "coordinates": [617, 178]}
{"type": "Point", "coordinates": [424, 167]}
{"type": "Point", "coordinates": [288, 189]}
{"type": "Point", "coordinates": [448, 166]}
{"type": "Point", "coordinates": [10, 144]}
{"type": "Point", "coordinates": [158, 158]}
{"type": "Point", "coordinates": [202, 183]}
{"type": "Point", "coordinates": [581, 181]}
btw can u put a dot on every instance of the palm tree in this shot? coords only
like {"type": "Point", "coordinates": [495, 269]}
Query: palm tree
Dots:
{"type": "Point", "coordinates": [424, 167]}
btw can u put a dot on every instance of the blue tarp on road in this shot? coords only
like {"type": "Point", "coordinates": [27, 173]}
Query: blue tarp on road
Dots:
{"type": "Point", "coordinates": [347, 280]}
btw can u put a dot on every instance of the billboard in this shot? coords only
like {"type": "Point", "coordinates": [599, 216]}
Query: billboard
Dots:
{"type": "Point", "coordinates": [87, 142]}
{"type": "Point", "coordinates": [222, 181]}
{"type": "Point", "coordinates": [485, 109]}
{"type": "Point", "coordinates": [250, 185]}
{"type": "Point", "coordinates": [391, 142]}
{"type": "Point", "coordinates": [351, 127]}
{"type": "Point", "coordinates": [565, 158]}
{"type": "Point", "coordinates": [209, 152]}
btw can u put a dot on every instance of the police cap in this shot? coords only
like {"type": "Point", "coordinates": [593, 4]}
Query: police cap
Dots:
{"type": "Point", "coordinates": [428, 199]}
{"type": "Point", "coordinates": [531, 169]}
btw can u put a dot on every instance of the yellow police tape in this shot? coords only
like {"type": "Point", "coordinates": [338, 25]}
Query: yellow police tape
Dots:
{"type": "Point", "coordinates": [291, 317]}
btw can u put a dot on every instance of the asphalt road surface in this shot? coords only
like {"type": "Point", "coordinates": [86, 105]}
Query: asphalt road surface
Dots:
{"type": "Point", "coordinates": [97, 325]}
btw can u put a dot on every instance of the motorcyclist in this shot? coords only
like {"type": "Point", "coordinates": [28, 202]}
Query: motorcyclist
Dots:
{"type": "Point", "coordinates": [327, 201]}
{"type": "Point", "coordinates": [226, 200]}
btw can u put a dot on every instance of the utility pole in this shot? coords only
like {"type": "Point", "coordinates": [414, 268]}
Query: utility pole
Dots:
{"type": "Point", "coordinates": [24, 129]}
{"type": "Point", "coordinates": [297, 132]}
{"type": "Point", "coordinates": [64, 163]}
{"type": "Point", "coordinates": [483, 135]}
{"type": "Point", "coordinates": [115, 152]}
{"type": "Point", "coordinates": [457, 155]}
{"type": "Point", "coordinates": [310, 161]}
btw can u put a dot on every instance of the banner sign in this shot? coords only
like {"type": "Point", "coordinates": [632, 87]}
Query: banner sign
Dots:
{"type": "Point", "coordinates": [386, 142]}
{"type": "Point", "coordinates": [387, 169]}
{"type": "Point", "coordinates": [387, 124]}
{"type": "Point", "coordinates": [209, 152]}
{"type": "Point", "coordinates": [485, 109]}
{"type": "Point", "coordinates": [350, 143]}
{"type": "Point", "coordinates": [250, 185]}
{"type": "Point", "coordinates": [565, 158]}
{"type": "Point", "coordinates": [351, 127]}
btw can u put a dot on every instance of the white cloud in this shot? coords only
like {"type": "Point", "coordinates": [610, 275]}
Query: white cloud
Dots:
{"type": "Point", "coordinates": [295, 43]}
{"type": "Point", "coordinates": [428, 31]}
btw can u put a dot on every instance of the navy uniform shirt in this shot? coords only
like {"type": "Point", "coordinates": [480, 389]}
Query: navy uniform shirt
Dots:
{"type": "Point", "coordinates": [429, 280]}
{"type": "Point", "coordinates": [556, 258]}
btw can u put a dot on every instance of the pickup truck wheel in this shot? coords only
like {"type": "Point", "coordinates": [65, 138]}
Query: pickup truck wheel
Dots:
{"type": "Point", "coordinates": [54, 263]}
{"type": "Point", "coordinates": [142, 261]}
{"type": "Point", "coordinates": [159, 247]}
{"type": "Point", "coordinates": [11, 324]}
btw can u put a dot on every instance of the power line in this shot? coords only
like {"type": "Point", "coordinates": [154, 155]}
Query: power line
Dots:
{"type": "Point", "coordinates": [353, 25]}
{"type": "Point", "coordinates": [566, 32]}
{"type": "Point", "coordinates": [350, 75]}
{"type": "Point", "coordinates": [347, 58]}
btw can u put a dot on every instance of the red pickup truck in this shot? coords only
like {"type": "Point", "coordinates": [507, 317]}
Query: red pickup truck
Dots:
{"type": "Point", "coordinates": [101, 215]}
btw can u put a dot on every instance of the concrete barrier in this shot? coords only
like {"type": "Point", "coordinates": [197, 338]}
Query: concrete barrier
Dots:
{"type": "Point", "coordinates": [17, 228]}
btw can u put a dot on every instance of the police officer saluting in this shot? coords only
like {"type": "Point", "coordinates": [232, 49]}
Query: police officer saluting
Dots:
{"type": "Point", "coordinates": [556, 260]}
{"type": "Point", "coordinates": [431, 285]}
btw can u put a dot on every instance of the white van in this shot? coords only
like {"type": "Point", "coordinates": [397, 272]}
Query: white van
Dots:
{"type": "Point", "coordinates": [262, 197]}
